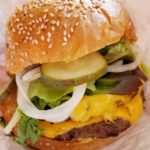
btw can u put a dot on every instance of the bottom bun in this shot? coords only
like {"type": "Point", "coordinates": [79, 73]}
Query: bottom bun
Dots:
{"type": "Point", "coordinates": [93, 144]}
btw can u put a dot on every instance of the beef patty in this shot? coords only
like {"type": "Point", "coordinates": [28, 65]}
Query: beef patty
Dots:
{"type": "Point", "coordinates": [97, 130]}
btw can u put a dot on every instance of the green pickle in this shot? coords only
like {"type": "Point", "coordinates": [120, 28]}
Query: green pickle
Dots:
{"type": "Point", "coordinates": [82, 70]}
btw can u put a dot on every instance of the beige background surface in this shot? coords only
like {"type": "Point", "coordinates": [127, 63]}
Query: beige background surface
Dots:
{"type": "Point", "coordinates": [137, 137]}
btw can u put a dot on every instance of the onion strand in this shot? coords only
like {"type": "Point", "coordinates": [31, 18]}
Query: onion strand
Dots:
{"type": "Point", "coordinates": [58, 114]}
{"type": "Point", "coordinates": [16, 117]}
{"type": "Point", "coordinates": [127, 67]}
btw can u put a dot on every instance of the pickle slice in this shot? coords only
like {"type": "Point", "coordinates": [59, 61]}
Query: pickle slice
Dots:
{"type": "Point", "coordinates": [82, 70]}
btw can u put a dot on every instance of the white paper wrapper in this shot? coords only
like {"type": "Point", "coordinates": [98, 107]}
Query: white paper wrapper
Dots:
{"type": "Point", "coordinates": [135, 138]}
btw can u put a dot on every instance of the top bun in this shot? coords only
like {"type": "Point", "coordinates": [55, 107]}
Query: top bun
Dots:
{"type": "Point", "coordinates": [63, 30]}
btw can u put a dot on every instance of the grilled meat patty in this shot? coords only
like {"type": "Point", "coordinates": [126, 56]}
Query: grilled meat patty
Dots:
{"type": "Point", "coordinates": [97, 130]}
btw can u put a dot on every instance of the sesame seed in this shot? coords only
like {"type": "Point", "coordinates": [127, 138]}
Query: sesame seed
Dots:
{"type": "Point", "coordinates": [77, 23]}
{"type": "Point", "coordinates": [23, 31]}
{"type": "Point", "coordinates": [45, 27]}
{"type": "Point", "coordinates": [38, 32]}
{"type": "Point", "coordinates": [12, 64]}
{"type": "Point", "coordinates": [33, 21]}
{"type": "Point", "coordinates": [71, 2]}
{"type": "Point", "coordinates": [14, 30]}
{"type": "Point", "coordinates": [18, 26]}
{"type": "Point", "coordinates": [11, 56]}
{"type": "Point", "coordinates": [22, 54]}
{"type": "Point", "coordinates": [45, 16]}
{"type": "Point", "coordinates": [11, 25]}
{"type": "Point", "coordinates": [67, 144]}
{"type": "Point", "coordinates": [51, 14]}
{"type": "Point", "coordinates": [12, 46]}
{"type": "Point", "coordinates": [69, 35]}
{"type": "Point", "coordinates": [48, 40]}
{"type": "Point", "coordinates": [53, 28]}
{"type": "Point", "coordinates": [65, 39]}
{"type": "Point", "coordinates": [19, 32]}
{"type": "Point", "coordinates": [35, 42]}
{"type": "Point", "coordinates": [27, 38]}
{"type": "Point", "coordinates": [50, 46]}
{"type": "Point", "coordinates": [84, 17]}
{"type": "Point", "coordinates": [49, 34]}
{"type": "Point", "coordinates": [65, 32]}
{"type": "Point", "coordinates": [42, 38]}
{"type": "Point", "coordinates": [37, 21]}
{"type": "Point", "coordinates": [71, 29]}
{"type": "Point", "coordinates": [17, 19]}
{"type": "Point", "coordinates": [53, 22]}
{"type": "Point", "coordinates": [64, 44]}
{"type": "Point", "coordinates": [40, 19]}
{"type": "Point", "coordinates": [22, 60]}
{"type": "Point", "coordinates": [47, 144]}
{"type": "Point", "coordinates": [42, 26]}
{"type": "Point", "coordinates": [60, 8]}
{"type": "Point", "coordinates": [30, 23]}
{"type": "Point", "coordinates": [30, 29]}
{"type": "Point", "coordinates": [31, 15]}
{"type": "Point", "coordinates": [30, 6]}
{"type": "Point", "coordinates": [25, 12]}
{"type": "Point", "coordinates": [28, 33]}
{"type": "Point", "coordinates": [14, 15]}
{"type": "Point", "coordinates": [47, 20]}
{"type": "Point", "coordinates": [44, 52]}
{"type": "Point", "coordinates": [34, 26]}
{"type": "Point", "coordinates": [25, 41]}
{"type": "Point", "coordinates": [26, 54]}
{"type": "Point", "coordinates": [57, 23]}
{"type": "Point", "coordinates": [52, 147]}
{"type": "Point", "coordinates": [30, 38]}
{"type": "Point", "coordinates": [67, 15]}
{"type": "Point", "coordinates": [46, 10]}
{"type": "Point", "coordinates": [65, 25]}
{"type": "Point", "coordinates": [83, 11]}
{"type": "Point", "coordinates": [75, 15]}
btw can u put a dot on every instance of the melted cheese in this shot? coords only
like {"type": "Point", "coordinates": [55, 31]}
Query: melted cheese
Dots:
{"type": "Point", "coordinates": [96, 108]}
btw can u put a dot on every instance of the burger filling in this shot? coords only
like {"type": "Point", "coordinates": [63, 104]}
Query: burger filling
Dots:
{"type": "Point", "coordinates": [96, 96]}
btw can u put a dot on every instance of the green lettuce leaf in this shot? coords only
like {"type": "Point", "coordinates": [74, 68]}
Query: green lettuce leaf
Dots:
{"type": "Point", "coordinates": [39, 103]}
{"type": "Point", "coordinates": [2, 122]}
{"type": "Point", "coordinates": [91, 86]}
{"type": "Point", "coordinates": [28, 130]}
{"type": "Point", "coordinates": [120, 50]}
{"type": "Point", "coordinates": [43, 95]}
{"type": "Point", "coordinates": [43, 105]}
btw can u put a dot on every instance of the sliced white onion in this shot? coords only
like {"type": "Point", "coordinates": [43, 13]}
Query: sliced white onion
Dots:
{"type": "Point", "coordinates": [128, 67]}
{"type": "Point", "coordinates": [58, 114]}
{"type": "Point", "coordinates": [15, 119]}
{"type": "Point", "coordinates": [119, 62]}
{"type": "Point", "coordinates": [32, 75]}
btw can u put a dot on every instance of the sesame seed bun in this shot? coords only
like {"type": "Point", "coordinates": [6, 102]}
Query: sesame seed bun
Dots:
{"type": "Point", "coordinates": [55, 31]}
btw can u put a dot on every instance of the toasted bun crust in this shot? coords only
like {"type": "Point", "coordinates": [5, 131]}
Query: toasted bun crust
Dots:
{"type": "Point", "coordinates": [95, 144]}
{"type": "Point", "coordinates": [52, 31]}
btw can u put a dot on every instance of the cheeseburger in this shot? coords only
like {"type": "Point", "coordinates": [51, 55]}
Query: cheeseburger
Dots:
{"type": "Point", "coordinates": [75, 80]}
